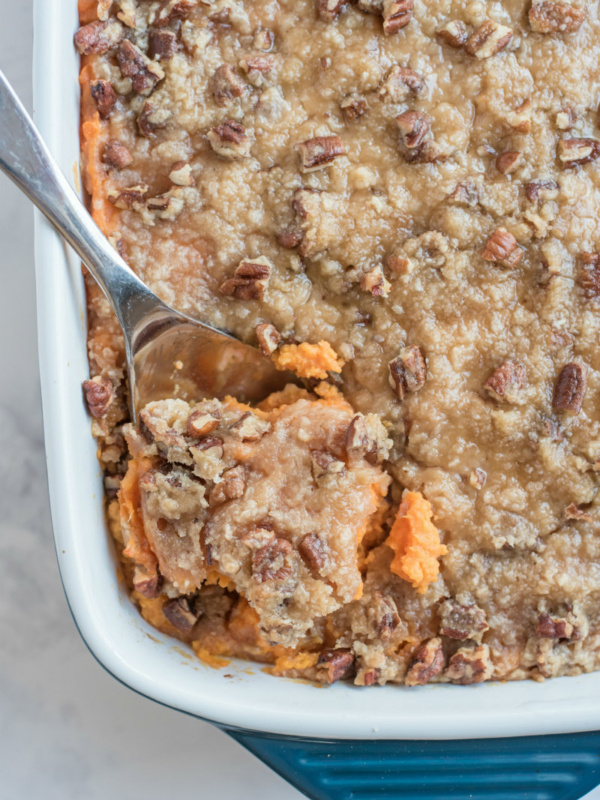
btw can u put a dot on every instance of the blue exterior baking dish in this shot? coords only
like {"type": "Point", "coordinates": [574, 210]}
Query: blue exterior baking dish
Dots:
{"type": "Point", "coordinates": [493, 741]}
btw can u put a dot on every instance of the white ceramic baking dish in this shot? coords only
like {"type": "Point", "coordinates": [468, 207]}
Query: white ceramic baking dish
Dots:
{"type": "Point", "coordinates": [132, 651]}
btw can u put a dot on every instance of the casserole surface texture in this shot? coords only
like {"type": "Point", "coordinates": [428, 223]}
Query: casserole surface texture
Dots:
{"type": "Point", "coordinates": [400, 203]}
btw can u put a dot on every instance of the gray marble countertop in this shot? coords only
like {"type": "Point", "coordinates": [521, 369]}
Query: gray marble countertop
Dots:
{"type": "Point", "coordinates": [69, 730]}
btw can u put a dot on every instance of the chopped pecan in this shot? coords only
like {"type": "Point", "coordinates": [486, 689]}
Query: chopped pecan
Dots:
{"type": "Point", "coordinates": [263, 40]}
{"type": "Point", "coordinates": [202, 422]}
{"type": "Point", "coordinates": [399, 263]}
{"type": "Point", "coordinates": [250, 427]}
{"type": "Point", "coordinates": [328, 10]}
{"type": "Point", "coordinates": [231, 486]}
{"type": "Point", "coordinates": [144, 74]}
{"type": "Point", "coordinates": [399, 83]}
{"type": "Point", "coordinates": [99, 394]}
{"type": "Point", "coordinates": [127, 13]}
{"type": "Point", "coordinates": [408, 371]}
{"type": "Point", "coordinates": [325, 464]}
{"type": "Point", "coordinates": [116, 154]}
{"type": "Point", "coordinates": [290, 237]}
{"type": "Point", "coordinates": [226, 85]}
{"type": "Point", "coordinates": [335, 665]}
{"type": "Point", "coordinates": [453, 33]}
{"type": "Point", "coordinates": [470, 665]}
{"type": "Point", "coordinates": [170, 10]}
{"type": "Point", "coordinates": [146, 583]}
{"type": "Point", "coordinates": [181, 174]}
{"type": "Point", "coordinates": [541, 190]}
{"type": "Point", "coordinates": [167, 206]}
{"type": "Point", "coordinates": [162, 45]}
{"type": "Point", "coordinates": [578, 151]}
{"type": "Point", "coordinates": [427, 663]}
{"type": "Point", "coordinates": [230, 140]}
{"type": "Point", "coordinates": [550, 627]}
{"type": "Point", "coordinates": [257, 67]}
{"type": "Point", "coordinates": [103, 8]}
{"type": "Point", "coordinates": [375, 282]}
{"type": "Point", "coordinates": [207, 444]}
{"type": "Point", "coordinates": [565, 119]}
{"type": "Point", "coordinates": [573, 511]}
{"type": "Point", "coordinates": [371, 676]}
{"type": "Point", "coordinates": [590, 275]}
{"type": "Point", "coordinates": [131, 197]}
{"type": "Point", "coordinates": [183, 613]}
{"type": "Point", "coordinates": [268, 337]}
{"type": "Point", "coordinates": [502, 248]}
{"type": "Point", "coordinates": [358, 441]}
{"type": "Point", "coordinates": [396, 15]}
{"type": "Point", "coordinates": [98, 37]}
{"type": "Point", "coordinates": [570, 388]}
{"type": "Point", "coordinates": [313, 551]}
{"type": "Point", "coordinates": [461, 622]}
{"type": "Point", "coordinates": [104, 96]}
{"type": "Point", "coordinates": [464, 194]}
{"type": "Point", "coordinates": [320, 152]}
{"type": "Point", "coordinates": [507, 382]}
{"type": "Point", "coordinates": [273, 562]}
{"type": "Point", "coordinates": [490, 38]}
{"type": "Point", "coordinates": [152, 118]}
{"type": "Point", "coordinates": [548, 16]}
{"type": "Point", "coordinates": [414, 128]}
{"type": "Point", "coordinates": [354, 106]}
{"type": "Point", "coordinates": [371, 6]}
{"type": "Point", "coordinates": [249, 280]}
{"type": "Point", "coordinates": [478, 478]}
{"type": "Point", "coordinates": [508, 162]}
{"type": "Point", "coordinates": [382, 615]}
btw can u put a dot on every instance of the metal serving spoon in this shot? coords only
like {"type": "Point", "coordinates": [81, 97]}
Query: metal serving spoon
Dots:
{"type": "Point", "coordinates": [168, 354]}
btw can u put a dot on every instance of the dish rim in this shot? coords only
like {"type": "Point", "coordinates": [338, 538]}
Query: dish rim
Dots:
{"type": "Point", "coordinates": [127, 647]}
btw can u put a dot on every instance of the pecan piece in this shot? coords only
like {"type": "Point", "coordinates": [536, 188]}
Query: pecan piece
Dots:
{"type": "Point", "coordinates": [181, 174]}
{"type": "Point", "coordinates": [453, 33]}
{"type": "Point", "coordinates": [490, 38]}
{"type": "Point", "coordinates": [268, 337]}
{"type": "Point", "coordinates": [202, 422]}
{"type": "Point", "coordinates": [590, 275]}
{"type": "Point", "coordinates": [478, 478]}
{"type": "Point", "coordinates": [399, 83]}
{"type": "Point", "coordinates": [502, 248]}
{"type": "Point", "coordinates": [541, 190]}
{"type": "Point", "coordinates": [290, 237]}
{"type": "Point", "coordinates": [131, 197]}
{"type": "Point", "coordinates": [250, 427]}
{"type": "Point", "coordinates": [99, 394]}
{"type": "Point", "coordinates": [408, 371]}
{"type": "Point", "coordinates": [573, 511]}
{"type": "Point", "coordinates": [144, 74]}
{"type": "Point", "coordinates": [414, 128]}
{"type": "Point", "coordinates": [104, 96]}
{"type": "Point", "coordinates": [231, 486]}
{"type": "Point", "coordinates": [382, 615]}
{"type": "Point", "coordinates": [146, 583]}
{"type": "Point", "coordinates": [230, 140]}
{"type": "Point", "coordinates": [336, 664]}
{"type": "Point", "coordinates": [354, 106]}
{"type": "Point", "coordinates": [325, 464]}
{"type": "Point", "coordinates": [170, 10]}
{"type": "Point", "coordinates": [570, 388]}
{"type": "Point", "coordinates": [320, 152]}
{"type": "Point", "coordinates": [257, 67]}
{"type": "Point", "coordinates": [249, 280]}
{"type": "Point", "coordinates": [396, 15]}
{"type": "Point", "coordinates": [549, 627]}
{"type": "Point", "coordinates": [578, 151]}
{"type": "Point", "coordinates": [183, 613]}
{"type": "Point", "coordinates": [427, 663]}
{"type": "Point", "coordinates": [507, 382]}
{"type": "Point", "coordinates": [548, 16]}
{"type": "Point", "coordinates": [371, 676]}
{"type": "Point", "coordinates": [470, 665]}
{"type": "Point", "coordinates": [263, 40]}
{"type": "Point", "coordinates": [152, 119]}
{"type": "Point", "coordinates": [461, 622]}
{"type": "Point", "coordinates": [162, 45]}
{"type": "Point", "coordinates": [117, 155]}
{"type": "Point", "coordinates": [313, 551]}
{"type": "Point", "coordinates": [273, 561]}
{"type": "Point", "coordinates": [375, 282]}
{"type": "Point", "coordinates": [226, 85]}
{"type": "Point", "coordinates": [508, 162]}
{"type": "Point", "coordinates": [328, 10]}
{"type": "Point", "coordinates": [167, 206]}
{"type": "Point", "coordinates": [98, 37]}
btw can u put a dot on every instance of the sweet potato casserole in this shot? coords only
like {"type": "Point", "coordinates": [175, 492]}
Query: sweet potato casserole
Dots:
{"type": "Point", "coordinates": [399, 200]}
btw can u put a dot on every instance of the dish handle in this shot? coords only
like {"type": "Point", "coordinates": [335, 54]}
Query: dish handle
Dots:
{"type": "Point", "coordinates": [558, 767]}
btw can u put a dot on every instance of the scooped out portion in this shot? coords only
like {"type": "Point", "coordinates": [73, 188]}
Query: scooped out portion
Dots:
{"type": "Point", "coordinates": [270, 504]}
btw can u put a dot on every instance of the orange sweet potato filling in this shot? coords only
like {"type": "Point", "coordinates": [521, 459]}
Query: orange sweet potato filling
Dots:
{"type": "Point", "coordinates": [309, 360]}
{"type": "Point", "coordinates": [416, 542]}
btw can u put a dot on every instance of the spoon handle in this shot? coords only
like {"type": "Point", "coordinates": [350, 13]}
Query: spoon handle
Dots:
{"type": "Point", "coordinates": [26, 160]}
